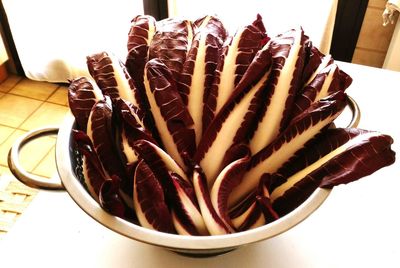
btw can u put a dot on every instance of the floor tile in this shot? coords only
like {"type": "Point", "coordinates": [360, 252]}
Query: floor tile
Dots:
{"type": "Point", "coordinates": [9, 83]}
{"type": "Point", "coordinates": [15, 109]}
{"type": "Point", "coordinates": [3, 169]}
{"type": "Point", "coordinates": [34, 89]}
{"type": "Point", "coordinates": [47, 167]}
{"type": "Point", "coordinates": [5, 146]}
{"type": "Point", "coordinates": [31, 154]}
{"type": "Point", "coordinates": [60, 96]}
{"type": "Point", "coordinates": [35, 151]}
{"type": "Point", "coordinates": [5, 132]}
{"type": "Point", "coordinates": [47, 114]}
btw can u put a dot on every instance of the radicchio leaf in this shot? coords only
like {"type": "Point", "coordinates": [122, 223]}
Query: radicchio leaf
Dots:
{"type": "Point", "coordinates": [109, 197]}
{"type": "Point", "coordinates": [215, 225]}
{"type": "Point", "coordinates": [149, 201]}
{"type": "Point", "coordinates": [288, 54]}
{"type": "Point", "coordinates": [329, 80]}
{"type": "Point", "coordinates": [253, 217]}
{"type": "Point", "coordinates": [179, 193]}
{"type": "Point", "coordinates": [101, 134]}
{"type": "Point", "coordinates": [171, 43]}
{"type": "Point", "coordinates": [93, 172]}
{"type": "Point", "coordinates": [337, 156]}
{"type": "Point", "coordinates": [186, 214]}
{"type": "Point", "coordinates": [82, 95]}
{"type": "Point", "coordinates": [226, 181]}
{"type": "Point", "coordinates": [256, 210]}
{"type": "Point", "coordinates": [173, 121]}
{"type": "Point", "coordinates": [113, 79]}
{"type": "Point", "coordinates": [130, 130]}
{"type": "Point", "coordinates": [198, 70]}
{"type": "Point", "coordinates": [140, 35]}
{"type": "Point", "coordinates": [263, 199]}
{"type": "Point", "coordinates": [366, 158]}
{"type": "Point", "coordinates": [314, 62]}
{"type": "Point", "coordinates": [303, 128]}
{"type": "Point", "coordinates": [233, 122]}
{"type": "Point", "coordinates": [237, 55]}
{"type": "Point", "coordinates": [158, 160]}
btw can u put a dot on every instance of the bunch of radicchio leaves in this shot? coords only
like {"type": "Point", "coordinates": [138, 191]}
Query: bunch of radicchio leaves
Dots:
{"type": "Point", "coordinates": [203, 133]}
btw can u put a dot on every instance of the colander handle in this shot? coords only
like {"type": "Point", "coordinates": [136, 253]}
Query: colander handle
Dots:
{"type": "Point", "coordinates": [355, 112]}
{"type": "Point", "coordinates": [20, 173]}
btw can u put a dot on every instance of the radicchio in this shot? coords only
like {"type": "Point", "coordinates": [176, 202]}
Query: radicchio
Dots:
{"type": "Point", "coordinates": [100, 130]}
{"type": "Point", "coordinates": [238, 52]}
{"type": "Point", "coordinates": [198, 70]}
{"type": "Point", "coordinates": [113, 79]}
{"type": "Point", "coordinates": [130, 130]}
{"type": "Point", "coordinates": [231, 126]}
{"type": "Point", "coordinates": [337, 156]}
{"type": "Point", "coordinates": [288, 53]}
{"type": "Point", "coordinates": [178, 191]}
{"type": "Point", "coordinates": [103, 188]}
{"type": "Point", "coordinates": [303, 128]}
{"type": "Point", "coordinates": [327, 81]}
{"type": "Point", "coordinates": [149, 200]}
{"type": "Point", "coordinates": [214, 223]}
{"type": "Point", "coordinates": [141, 33]}
{"type": "Point", "coordinates": [172, 119]}
{"type": "Point", "coordinates": [171, 43]}
{"type": "Point", "coordinates": [82, 96]}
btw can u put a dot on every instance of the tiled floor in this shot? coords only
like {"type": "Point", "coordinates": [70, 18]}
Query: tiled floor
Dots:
{"type": "Point", "coordinates": [26, 105]}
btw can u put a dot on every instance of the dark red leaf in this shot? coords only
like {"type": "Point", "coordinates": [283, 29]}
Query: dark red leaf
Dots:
{"type": "Point", "coordinates": [214, 223]}
{"type": "Point", "coordinates": [140, 35]}
{"type": "Point", "coordinates": [197, 75]}
{"type": "Point", "coordinates": [233, 123]}
{"type": "Point", "coordinates": [236, 57]}
{"type": "Point", "coordinates": [150, 204]}
{"type": "Point", "coordinates": [302, 129]}
{"type": "Point", "coordinates": [327, 81]}
{"type": "Point", "coordinates": [82, 96]}
{"type": "Point", "coordinates": [109, 197]}
{"type": "Point", "coordinates": [340, 156]}
{"type": "Point", "coordinates": [288, 53]}
{"type": "Point", "coordinates": [171, 44]}
{"type": "Point", "coordinates": [173, 121]}
{"type": "Point", "coordinates": [100, 130]}
{"type": "Point", "coordinates": [113, 79]}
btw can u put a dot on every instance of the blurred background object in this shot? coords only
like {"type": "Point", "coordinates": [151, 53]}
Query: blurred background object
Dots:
{"type": "Point", "coordinates": [392, 59]}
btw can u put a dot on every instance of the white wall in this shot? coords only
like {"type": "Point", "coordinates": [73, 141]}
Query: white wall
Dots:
{"type": "Point", "coordinates": [3, 52]}
{"type": "Point", "coordinates": [53, 38]}
{"type": "Point", "coordinates": [315, 16]}
{"type": "Point", "coordinates": [392, 60]}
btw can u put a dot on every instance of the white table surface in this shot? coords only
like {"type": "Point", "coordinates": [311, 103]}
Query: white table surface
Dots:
{"type": "Point", "coordinates": [358, 225]}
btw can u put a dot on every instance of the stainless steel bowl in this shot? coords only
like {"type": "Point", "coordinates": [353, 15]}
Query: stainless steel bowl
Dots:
{"type": "Point", "coordinates": [199, 246]}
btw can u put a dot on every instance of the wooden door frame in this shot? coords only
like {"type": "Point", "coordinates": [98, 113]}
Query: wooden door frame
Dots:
{"type": "Point", "coordinates": [349, 18]}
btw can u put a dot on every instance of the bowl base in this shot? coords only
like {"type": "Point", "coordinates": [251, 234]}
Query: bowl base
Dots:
{"type": "Point", "coordinates": [198, 254]}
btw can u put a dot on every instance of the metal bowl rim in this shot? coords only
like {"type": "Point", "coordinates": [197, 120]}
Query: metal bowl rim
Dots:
{"type": "Point", "coordinates": [171, 241]}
